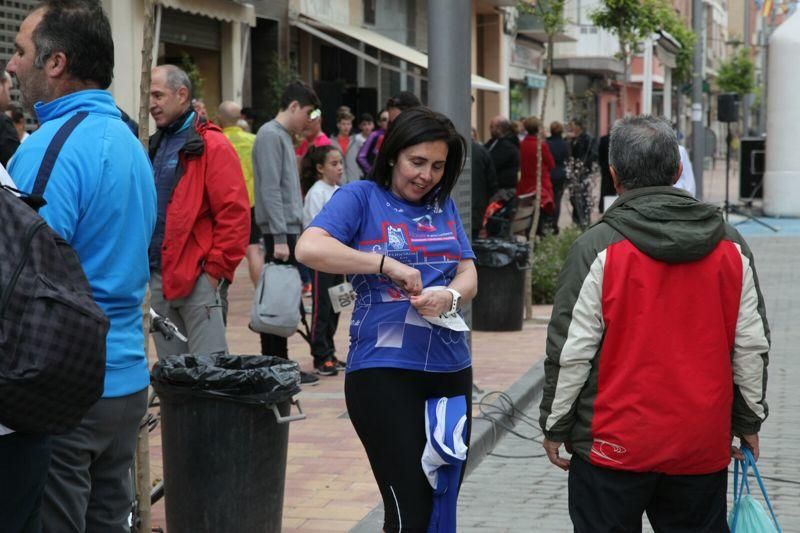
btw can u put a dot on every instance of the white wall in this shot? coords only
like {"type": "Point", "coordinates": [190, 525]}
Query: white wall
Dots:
{"type": "Point", "coordinates": [127, 21]}
{"type": "Point", "coordinates": [590, 40]}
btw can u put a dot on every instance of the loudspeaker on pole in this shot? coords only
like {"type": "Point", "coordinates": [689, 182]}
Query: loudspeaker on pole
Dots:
{"type": "Point", "coordinates": [728, 107]}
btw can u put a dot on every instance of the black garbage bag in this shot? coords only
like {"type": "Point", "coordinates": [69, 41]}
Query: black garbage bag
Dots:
{"type": "Point", "coordinates": [256, 379]}
{"type": "Point", "coordinates": [497, 253]}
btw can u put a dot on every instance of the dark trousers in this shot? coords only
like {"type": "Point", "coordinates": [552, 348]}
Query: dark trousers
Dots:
{"type": "Point", "coordinates": [88, 487]}
{"type": "Point", "coordinates": [323, 321]}
{"type": "Point", "coordinates": [387, 409]}
{"type": "Point", "coordinates": [24, 461]}
{"type": "Point", "coordinates": [558, 192]}
{"type": "Point", "coordinates": [603, 500]}
{"type": "Point", "coordinates": [276, 345]}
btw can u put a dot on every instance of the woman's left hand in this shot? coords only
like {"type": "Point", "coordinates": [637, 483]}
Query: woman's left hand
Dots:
{"type": "Point", "coordinates": [432, 303]}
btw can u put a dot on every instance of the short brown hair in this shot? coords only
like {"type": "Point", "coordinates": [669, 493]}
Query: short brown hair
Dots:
{"type": "Point", "coordinates": [532, 125]}
{"type": "Point", "coordinates": [344, 115]}
{"type": "Point", "coordinates": [556, 128]}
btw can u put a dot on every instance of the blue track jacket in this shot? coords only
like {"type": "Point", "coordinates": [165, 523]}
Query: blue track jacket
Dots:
{"type": "Point", "coordinates": [101, 199]}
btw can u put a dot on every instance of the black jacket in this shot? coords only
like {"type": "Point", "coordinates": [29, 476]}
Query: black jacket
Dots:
{"type": "Point", "coordinates": [484, 184]}
{"type": "Point", "coordinates": [505, 156]}
{"type": "Point", "coordinates": [560, 150]}
{"type": "Point", "coordinates": [583, 149]}
{"type": "Point", "coordinates": [9, 140]}
{"type": "Point", "coordinates": [606, 183]}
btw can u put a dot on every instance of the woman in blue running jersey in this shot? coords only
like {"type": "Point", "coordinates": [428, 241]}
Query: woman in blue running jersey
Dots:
{"type": "Point", "coordinates": [400, 237]}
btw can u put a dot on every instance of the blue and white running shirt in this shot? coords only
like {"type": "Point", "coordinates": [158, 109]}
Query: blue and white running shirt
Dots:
{"type": "Point", "coordinates": [386, 330]}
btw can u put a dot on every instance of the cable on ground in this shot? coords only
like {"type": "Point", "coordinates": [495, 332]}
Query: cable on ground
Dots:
{"type": "Point", "coordinates": [499, 413]}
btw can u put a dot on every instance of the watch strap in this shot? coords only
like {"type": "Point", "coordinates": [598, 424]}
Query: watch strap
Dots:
{"type": "Point", "coordinates": [456, 300]}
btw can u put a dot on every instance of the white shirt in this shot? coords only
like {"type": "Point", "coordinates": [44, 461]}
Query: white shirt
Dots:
{"type": "Point", "coordinates": [316, 198]}
{"type": "Point", "coordinates": [5, 179]}
{"type": "Point", "coordinates": [686, 181]}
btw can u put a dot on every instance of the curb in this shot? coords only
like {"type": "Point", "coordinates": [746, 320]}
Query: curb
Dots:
{"type": "Point", "coordinates": [485, 435]}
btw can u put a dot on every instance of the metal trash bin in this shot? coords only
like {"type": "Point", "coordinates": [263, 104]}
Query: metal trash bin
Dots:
{"type": "Point", "coordinates": [225, 433]}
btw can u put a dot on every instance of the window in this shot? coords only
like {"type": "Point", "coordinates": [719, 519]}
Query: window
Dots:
{"type": "Point", "coordinates": [369, 12]}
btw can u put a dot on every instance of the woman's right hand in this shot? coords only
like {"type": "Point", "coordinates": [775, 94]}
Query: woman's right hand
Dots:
{"type": "Point", "coordinates": [407, 278]}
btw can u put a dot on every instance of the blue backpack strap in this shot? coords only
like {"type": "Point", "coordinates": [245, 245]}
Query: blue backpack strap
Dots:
{"type": "Point", "coordinates": [50, 156]}
{"type": "Point", "coordinates": [748, 455]}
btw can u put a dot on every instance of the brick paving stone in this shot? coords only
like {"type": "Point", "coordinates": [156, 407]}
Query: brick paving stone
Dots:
{"type": "Point", "coordinates": [526, 495]}
{"type": "Point", "coordinates": [329, 484]}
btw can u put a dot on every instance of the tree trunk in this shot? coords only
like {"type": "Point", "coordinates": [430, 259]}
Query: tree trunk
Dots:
{"type": "Point", "coordinates": [537, 207]}
{"type": "Point", "coordinates": [142, 463]}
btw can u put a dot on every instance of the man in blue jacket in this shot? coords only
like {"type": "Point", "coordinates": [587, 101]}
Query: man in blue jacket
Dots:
{"type": "Point", "coordinates": [101, 199]}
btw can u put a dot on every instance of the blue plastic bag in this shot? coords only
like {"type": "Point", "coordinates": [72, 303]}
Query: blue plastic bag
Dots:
{"type": "Point", "coordinates": [748, 515]}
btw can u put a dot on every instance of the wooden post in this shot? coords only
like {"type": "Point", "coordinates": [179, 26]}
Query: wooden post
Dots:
{"type": "Point", "coordinates": [142, 465]}
{"type": "Point", "coordinates": [537, 206]}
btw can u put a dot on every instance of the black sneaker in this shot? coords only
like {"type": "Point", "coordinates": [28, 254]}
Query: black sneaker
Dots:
{"type": "Point", "coordinates": [326, 366]}
{"type": "Point", "coordinates": [308, 379]}
{"type": "Point", "coordinates": [340, 365]}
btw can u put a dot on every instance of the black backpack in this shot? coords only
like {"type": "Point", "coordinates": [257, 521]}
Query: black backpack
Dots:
{"type": "Point", "coordinates": [52, 333]}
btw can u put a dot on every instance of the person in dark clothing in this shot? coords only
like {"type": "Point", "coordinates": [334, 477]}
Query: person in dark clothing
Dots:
{"type": "Point", "coordinates": [504, 149]}
{"type": "Point", "coordinates": [606, 183]}
{"type": "Point", "coordinates": [9, 138]}
{"type": "Point", "coordinates": [558, 176]}
{"type": "Point", "coordinates": [484, 185]}
{"type": "Point", "coordinates": [582, 148]}
{"type": "Point", "coordinates": [132, 124]}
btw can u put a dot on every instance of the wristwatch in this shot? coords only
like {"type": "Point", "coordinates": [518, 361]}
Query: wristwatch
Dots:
{"type": "Point", "coordinates": [456, 300]}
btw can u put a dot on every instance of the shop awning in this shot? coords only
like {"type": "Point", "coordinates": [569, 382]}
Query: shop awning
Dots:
{"type": "Point", "coordinates": [225, 10]}
{"type": "Point", "coordinates": [320, 28]}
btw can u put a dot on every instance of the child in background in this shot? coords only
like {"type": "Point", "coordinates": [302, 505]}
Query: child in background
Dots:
{"type": "Point", "coordinates": [323, 166]}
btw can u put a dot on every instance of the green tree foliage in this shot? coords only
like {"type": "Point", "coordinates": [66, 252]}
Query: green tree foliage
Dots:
{"type": "Point", "coordinates": [550, 12]}
{"type": "Point", "coordinates": [737, 74]}
{"type": "Point", "coordinates": [632, 21]}
{"type": "Point", "coordinates": [281, 73]}
{"type": "Point", "coordinates": [190, 67]}
{"type": "Point", "coordinates": [548, 260]}
{"type": "Point", "coordinates": [672, 23]}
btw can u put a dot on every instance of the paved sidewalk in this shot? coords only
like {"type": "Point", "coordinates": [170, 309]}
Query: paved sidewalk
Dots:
{"type": "Point", "coordinates": [523, 495]}
{"type": "Point", "coordinates": [329, 484]}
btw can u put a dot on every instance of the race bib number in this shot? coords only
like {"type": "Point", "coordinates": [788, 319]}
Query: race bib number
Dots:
{"type": "Point", "coordinates": [342, 296]}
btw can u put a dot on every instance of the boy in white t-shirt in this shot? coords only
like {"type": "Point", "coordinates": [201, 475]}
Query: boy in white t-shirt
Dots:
{"type": "Point", "coordinates": [323, 166]}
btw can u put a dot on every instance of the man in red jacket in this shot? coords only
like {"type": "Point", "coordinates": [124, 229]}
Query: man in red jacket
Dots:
{"type": "Point", "coordinates": [657, 350]}
{"type": "Point", "coordinates": [203, 224]}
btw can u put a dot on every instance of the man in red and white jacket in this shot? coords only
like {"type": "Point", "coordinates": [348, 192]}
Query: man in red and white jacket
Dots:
{"type": "Point", "coordinates": [203, 224]}
{"type": "Point", "coordinates": [657, 350]}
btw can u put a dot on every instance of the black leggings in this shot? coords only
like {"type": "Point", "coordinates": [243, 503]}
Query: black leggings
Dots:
{"type": "Point", "coordinates": [387, 408]}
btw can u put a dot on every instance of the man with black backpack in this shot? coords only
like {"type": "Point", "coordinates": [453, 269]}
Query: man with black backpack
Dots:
{"type": "Point", "coordinates": [101, 200]}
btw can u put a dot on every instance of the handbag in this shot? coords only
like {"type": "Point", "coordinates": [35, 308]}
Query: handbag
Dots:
{"type": "Point", "coordinates": [52, 332]}
{"type": "Point", "coordinates": [277, 301]}
{"type": "Point", "coordinates": [748, 515]}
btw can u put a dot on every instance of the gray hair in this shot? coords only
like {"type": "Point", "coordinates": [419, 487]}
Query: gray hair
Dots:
{"type": "Point", "coordinates": [176, 78]}
{"type": "Point", "coordinates": [644, 152]}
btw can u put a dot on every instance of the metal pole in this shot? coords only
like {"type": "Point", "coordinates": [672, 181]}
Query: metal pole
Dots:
{"type": "Point", "coordinates": [449, 79]}
{"type": "Point", "coordinates": [698, 133]}
{"type": "Point", "coordinates": [748, 42]}
{"type": "Point", "coordinates": [449, 90]}
{"type": "Point", "coordinates": [766, 33]}
{"type": "Point", "coordinates": [647, 77]}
